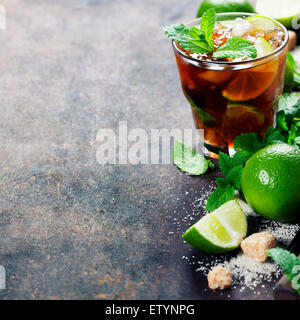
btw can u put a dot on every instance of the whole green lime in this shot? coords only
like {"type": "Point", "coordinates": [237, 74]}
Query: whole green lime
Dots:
{"type": "Point", "coordinates": [225, 6]}
{"type": "Point", "coordinates": [271, 182]}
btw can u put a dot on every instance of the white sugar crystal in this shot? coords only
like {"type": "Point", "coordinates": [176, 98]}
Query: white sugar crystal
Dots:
{"type": "Point", "coordinates": [251, 273]}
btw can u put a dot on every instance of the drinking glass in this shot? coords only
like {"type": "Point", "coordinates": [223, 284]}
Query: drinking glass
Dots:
{"type": "Point", "coordinates": [230, 98]}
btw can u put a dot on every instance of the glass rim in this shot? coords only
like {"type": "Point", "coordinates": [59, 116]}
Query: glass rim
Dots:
{"type": "Point", "coordinates": [237, 63]}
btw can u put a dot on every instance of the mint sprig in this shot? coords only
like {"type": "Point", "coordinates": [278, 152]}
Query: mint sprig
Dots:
{"type": "Point", "coordinates": [295, 74]}
{"type": "Point", "coordinates": [236, 48]}
{"type": "Point", "coordinates": [200, 40]}
{"type": "Point", "coordinates": [247, 144]}
{"type": "Point", "coordinates": [208, 22]}
{"type": "Point", "coordinates": [194, 39]}
{"type": "Point", "coordinates": [189, 38]}
{"type": "Point", "coordinates": [232, 170]}
{"type": "Point", "coordinates": [234, 177]}
{"type": "Point", "coordinates": [288, 118]}
{"type": "Point", "coordinates": [289, 262]}
{"type": "Point", "coordinates": [188, 161]}
{"type": "Point", "coordinates": [221, 195]}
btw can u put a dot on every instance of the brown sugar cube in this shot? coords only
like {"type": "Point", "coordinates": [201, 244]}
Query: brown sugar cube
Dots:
{"type": "Point", "coordinates": [292, 40]}
{"type": "Point", "coordinates": [219, 278]}
{"type": "Point", "coordinates": [257, 244]}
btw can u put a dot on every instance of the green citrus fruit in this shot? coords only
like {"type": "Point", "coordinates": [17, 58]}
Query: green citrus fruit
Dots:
{"type": "Point", "coordinates": [219, 231]}
{"type": "Point", "coordinates": [251, 83]}
{"type": "Point", "coordinates": [225, 6]}
{"type": "Point", "coordinates": [262, 23]}
{"type": "Point", "coordinates": [271, 182]}
{"type": "Point", "coordinates": [286, 12]}
{"type": "Point", "coordinates": [263, 47]}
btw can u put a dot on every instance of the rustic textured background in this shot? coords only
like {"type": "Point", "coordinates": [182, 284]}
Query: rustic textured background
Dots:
{"type": "Point", "coordinates": [70, 228]}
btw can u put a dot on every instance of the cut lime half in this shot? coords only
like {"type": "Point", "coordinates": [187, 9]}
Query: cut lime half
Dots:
{"type": "Point", "coordinates": [262, 23]}
{"type": "Point", "coordinates": [220, 231]}
{"type": "Point", "coordinates": [263, 47]}
{"type": "Point", "coordinates": [285, 11]}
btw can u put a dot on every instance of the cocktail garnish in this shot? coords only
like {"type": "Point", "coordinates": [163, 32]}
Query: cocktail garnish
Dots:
{"type": "Point", "coordinates": [236, 48]}
{"type": "Point", "coordinates": [200, 40]}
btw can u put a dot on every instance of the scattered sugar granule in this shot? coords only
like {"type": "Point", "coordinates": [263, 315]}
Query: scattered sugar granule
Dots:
{"type": "Point", "coordinates": [284, 232]}
{"type": "Point", "coordinates": [247, 274]}
{"type": "Point", "coordinates": [219, 278]}
{"type": "Point", "coordinates": [251, 273]}
{"type": "Point", "coordinates": [257, 244]}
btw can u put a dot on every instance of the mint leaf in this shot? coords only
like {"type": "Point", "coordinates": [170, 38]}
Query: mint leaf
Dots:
{"type": "Point", "coordinates": [189, 38]}
{"type": "Point", "coordinates": [286, 259]}
{"type": "Point", "coordinates": [188, 161]}
{"type": "Point", "coordinates": [220, 196]}
{"type": "Point", "coordinates": [288, 262]}
{"type": "Point", "coordinates": [294, 134]}
{"type": "Point", "coordinates": [208, 22]}
{"type": "Point", "coordinates": [193, 39]}
{"type": "Point", "coordinates": [206, 118]}
{"type": "Point", "coordinates": [297, 75]}
{"type": "Point", "coordinates": [251, 142]}
{"type": "Point", "coordinates": [288, 118]}
{"type": "Point", "coordinates": [296, 69]}
{"type": "Point", "coordinates": [273, 136]}
{"type": "Point", "coordinates": [242, 156]}
{"type": "Point", "coordinates": [226, 163]}
{"type": "Point", "coordinates": [289, 73]}
{"type": "Point", "coordinates": [281, 123]}
{"type": "Point", "coordinates": [211, 165]}
{"type": "Point", "coordinates": [289, 103]}
{"type": "Point", "coordinates": [231, 168]}
{"type": "Point", "coordinates": [221, 182]}
{"type": "Point", "coordinates": [234, 177]}
{"type": "Point", "coordinates": [236, 48]}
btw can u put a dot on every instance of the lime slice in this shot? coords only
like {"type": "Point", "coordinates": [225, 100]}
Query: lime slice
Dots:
{"type": "Point", "coordinates": [284, 11]}
{"type": "Point", "coordinates": [250, 84]}
{"type": "Point", "coordinates": [263, 47]}
{"type": "Point", "coordinates": [242, 119]}
{"type": "Point", "coordinates": [262, 23]}
{"type": "Point", "coordinates": [220, 231]}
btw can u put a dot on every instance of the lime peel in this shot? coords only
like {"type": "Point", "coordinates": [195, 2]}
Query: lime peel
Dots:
{"type": "Point", "coordinates": [263, 47]}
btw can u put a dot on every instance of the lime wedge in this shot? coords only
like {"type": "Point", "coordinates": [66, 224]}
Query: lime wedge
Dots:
{"type": "Point", "coordinates": [262, 23]}
{"type": "Point", "coordinates": [284, 11]}
{"type": "Point", "coordinates": [220, 231]}
{"type": "Point", "coordinates": [263, 47]}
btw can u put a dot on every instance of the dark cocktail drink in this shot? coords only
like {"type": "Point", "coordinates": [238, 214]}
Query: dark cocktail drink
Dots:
{"type": "Point", "coordinates": [234, 95]}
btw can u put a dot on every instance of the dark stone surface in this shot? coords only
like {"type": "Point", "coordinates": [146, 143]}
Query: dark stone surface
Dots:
{"type": "Point", "coordinates": [71, 228]}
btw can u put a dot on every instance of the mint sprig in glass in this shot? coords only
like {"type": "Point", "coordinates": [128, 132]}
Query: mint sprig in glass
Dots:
{"type": "Point", "coordinates": [231, 67]}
